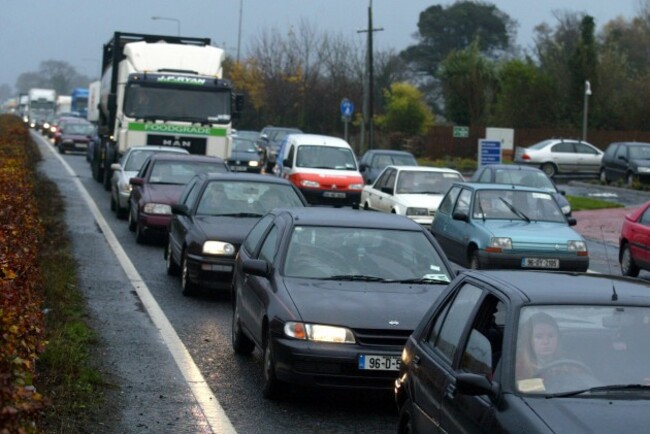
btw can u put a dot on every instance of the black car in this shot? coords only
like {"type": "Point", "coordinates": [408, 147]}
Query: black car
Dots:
{"type": "Point", "coordinates": [213, 215]}
{"type": "Point", "coordinates": [373, 162]}
{"type": "Point", "coordinates": [626, 161]}
{"type": "Point", "coordinates": [330, 296]}
{"type": "Point", "coordinates": [517, 174]}
{"type": "Point", "coordinates": [245, 156]}
{"type": "Point", "coordinates": [530, 352]}
{"type": "Point", "coordinates": [269, 141]}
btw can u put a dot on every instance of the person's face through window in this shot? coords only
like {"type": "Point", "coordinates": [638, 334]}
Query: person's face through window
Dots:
{"type": "Point", "coordinates": [544, 341]}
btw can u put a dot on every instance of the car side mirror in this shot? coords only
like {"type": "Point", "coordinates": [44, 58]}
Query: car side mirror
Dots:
{"type": "Point", "coordinates": [363, 167]}
{"type": "Point", "coordinates": [116, 166]}
{"type": "Point", "coordinates": [136, 181]}
{"type": "Point", "coordinates": [572, 221]}
{"type": "Point", "coordinates": [256, 267]}
{"type": "Point", "coordinates": [476, 385]}
{"type": "Point", "coordinates": [387, 190]}
{"type": "Point", "coordinates": [180, 209]}
{"type": "Point", "coordinates": [562, 192]}
{"type": "Point", "coordinates": [287, 162]}
{"type": "Point", "coordinates": [460, 215]}
{"type": "Point", "coordinates": [622, 157]}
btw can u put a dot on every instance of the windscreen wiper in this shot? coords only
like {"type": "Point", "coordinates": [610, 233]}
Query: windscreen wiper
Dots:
{"type": "Point", "coordinates": [360, 277]}
{"type": "Point", "coordinates": [515, 210]}
{"type": "Point", "coordinates": [609, 388]}
{"type": "Point", "coordinates": [424, 280]}
{"type": "Point", "coordinates": [238, 214]}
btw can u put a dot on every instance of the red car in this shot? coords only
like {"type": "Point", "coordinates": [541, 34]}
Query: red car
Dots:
{"type": "Point", "coordinates": [73, 134]}
{"type": "Point", "coordinates": [634, 242]}
{"type": "Point", "coordinates": [159, 185]}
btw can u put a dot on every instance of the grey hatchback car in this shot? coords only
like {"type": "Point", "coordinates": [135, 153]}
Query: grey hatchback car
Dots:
{"type": "Point", "coordinates": [627, 161]}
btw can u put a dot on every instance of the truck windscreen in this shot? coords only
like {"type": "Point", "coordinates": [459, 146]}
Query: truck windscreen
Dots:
{"type": "Point", "coordinates": [42, 105]}
{"type": "Point", "coordinates": [172, 103]}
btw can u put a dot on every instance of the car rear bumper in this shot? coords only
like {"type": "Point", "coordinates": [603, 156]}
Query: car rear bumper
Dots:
{"type": "Point", "coordinates": [514, 261]}
{"type": "Point", "coordinates": [330, 365]}
{"type": "Point", "coordinates": [331, 197]}
{"type": "Point", "coordinates": [155, 222]}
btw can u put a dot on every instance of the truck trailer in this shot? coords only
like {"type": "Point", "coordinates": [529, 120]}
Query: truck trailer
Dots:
{"type": "Point", "coordinates": [41, 107]}
{"type": "Point", "coordinates": [79, 102]}
{"type": "Point", "coordinates": [162, 90]}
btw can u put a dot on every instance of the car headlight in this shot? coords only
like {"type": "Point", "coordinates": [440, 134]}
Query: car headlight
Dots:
{"type": "Point", "coordinates": [218, 248]}
{"type": "Point", "coordinates": [577, 246]}
{"type": "Point", "coordinates": [355, 186]}
{"type": "Point", "coordinates": [319, 333]}
{"type": "Point", "coordinates": [643, 169]}
{"type": "Point", "coordinates": [125, 187]}
{"type": "Point", "coordinates": [500, 243]}
{"type": "Point", "coordinates": [253, 163]}
{"type": "Point", "coordinates": [566, 209]}
{"type": "Point", "coordinates": [157, 208]}
{"type": "Point", "coordinates": [46, 125]}
{"type": "Point", "coordinates": [308, 183]}
{"type": "Point", "coordinates": [417, 211]}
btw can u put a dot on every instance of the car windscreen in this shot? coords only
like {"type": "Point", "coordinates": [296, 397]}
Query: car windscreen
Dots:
{"type": "Point", "coordinates": [325, 157]}
{"type": "Point", "coordinates": [597, 350]}
{"type": "Point", "coordinates": [244, 145]}
{"type": "Point", "coordinates": [527, 178]}
{"type": "Point", "coordinates": [424, 182]}
{"type": "Point", "coordinates": [540, 145]}
{"type": "Point", "coordinates": [332, 252]}
{"type": "Point", "coordinates": [79, 129]}
{"type": "Point", "coordinates": [640, 152]}
{"type": "Point", "coordinates": [245, 198]}
{"type": "Point", "coordinates": [138, 157]}
{"type": "Point", "coordinates": [516, 205]}
{"type": "Point", "coordinates": [177, 172]}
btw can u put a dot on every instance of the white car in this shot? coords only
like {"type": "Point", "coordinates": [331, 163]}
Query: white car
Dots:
{"type": "Point", "coordinates": [411, 191]}
{"type": "Point", "coordinates": [128, 167]}
{"type": "Point", "coordinates": [561, 156]}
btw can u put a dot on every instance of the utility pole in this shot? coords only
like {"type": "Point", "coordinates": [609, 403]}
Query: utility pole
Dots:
{"type": "Point", "coordinates": [368, 103]}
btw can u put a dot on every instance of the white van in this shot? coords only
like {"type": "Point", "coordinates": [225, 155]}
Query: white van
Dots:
{"type": "Point", "coordinates": [324, 168]}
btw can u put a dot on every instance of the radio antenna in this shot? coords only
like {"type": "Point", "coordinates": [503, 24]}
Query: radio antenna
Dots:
{"type": "Point", "coordinates": [609, 265]}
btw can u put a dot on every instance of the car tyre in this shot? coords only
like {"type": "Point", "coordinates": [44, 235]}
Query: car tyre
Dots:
{"type": "Point", "coordinates": [188, 287]}
{"type": "Point", "coordinates": [549, 169]}
{"type": "Point", "coordinates": [603, 176]}
{"type": "Point", "coordinates": [113, 204]}
{"type": "Point", "coordinates": [241, 343]}
{"type": "Point", "coordinates": [405, 418]}
{"type": "Point", "coordinates": [132, 222]}
{"type": "Point", "coordinates": [272, 388]}
{"type": "Point", "coordinates": [61, 149]}
{"type": "Point", "coordinates": [628, 266]}
{"type": "Point", "coordinates": [474, 261]}
{"type": "Point", "coordinates": [172, 267]}
{"type": "Point", "coordinates": [140, 235]}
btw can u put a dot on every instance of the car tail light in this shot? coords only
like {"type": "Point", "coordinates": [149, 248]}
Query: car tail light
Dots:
{"type": "Point", "coordinates": [525, 157]}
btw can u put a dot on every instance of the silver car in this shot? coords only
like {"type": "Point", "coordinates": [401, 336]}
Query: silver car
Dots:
{"type": "Point", "coordinates": [561, 156]}
{"type": "Point", "coordinates": [128, 167]}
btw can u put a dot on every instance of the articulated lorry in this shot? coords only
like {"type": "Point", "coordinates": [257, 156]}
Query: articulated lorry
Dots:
{"type": "Point", "coordinates": [162, 90]}
{"type": "Point", "coordinates": [41, 107]}
{"type": "Point", "coordinates": [79, 101]}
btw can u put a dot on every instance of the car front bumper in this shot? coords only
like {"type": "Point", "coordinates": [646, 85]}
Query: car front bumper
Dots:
{"type": "Point", "coordinates": [331, 365]}
{"type": "Point", "coordinates": [514, 261]}
{"type": "Point", "coordinates": [331, 197]}
{"type": "Point", "coordinates": [211, 272]}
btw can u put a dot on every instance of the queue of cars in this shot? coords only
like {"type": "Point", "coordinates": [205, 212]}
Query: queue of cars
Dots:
{"type": "Point", "coordinates": [354, 299]}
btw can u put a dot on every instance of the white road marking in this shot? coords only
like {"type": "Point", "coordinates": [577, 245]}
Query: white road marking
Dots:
{"type": "Point", "coordinates": [212, 410]}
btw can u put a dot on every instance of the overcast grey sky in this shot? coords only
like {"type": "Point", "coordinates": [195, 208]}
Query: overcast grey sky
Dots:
{"type": "Point", "coordinates": [32, 31]}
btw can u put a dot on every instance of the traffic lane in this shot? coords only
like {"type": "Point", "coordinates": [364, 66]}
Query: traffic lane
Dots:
{"type": "Point", "coordinates": [203, 323]}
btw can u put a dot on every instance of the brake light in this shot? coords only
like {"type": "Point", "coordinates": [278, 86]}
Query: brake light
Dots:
{"type": "Point", "coordinates": [525, 157]}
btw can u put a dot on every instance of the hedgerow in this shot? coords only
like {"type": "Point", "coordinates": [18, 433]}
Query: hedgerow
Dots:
{"type": "Point", "coordinates": [22, 330]}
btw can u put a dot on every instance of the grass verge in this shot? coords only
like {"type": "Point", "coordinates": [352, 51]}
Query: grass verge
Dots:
{"type": "Point", "coordinates": [585, 203]}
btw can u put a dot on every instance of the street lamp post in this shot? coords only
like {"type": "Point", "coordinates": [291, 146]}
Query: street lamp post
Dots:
{"type": "Point", "coordinates": [178, 23]}
{"type": "Point", "coordinates": [585, 110]}
{"type": "Point", "coordinates": [241, 8]}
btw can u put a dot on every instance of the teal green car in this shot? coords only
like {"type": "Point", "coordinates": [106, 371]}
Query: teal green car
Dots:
{"type": "Point", "coordinates": [504, 226]}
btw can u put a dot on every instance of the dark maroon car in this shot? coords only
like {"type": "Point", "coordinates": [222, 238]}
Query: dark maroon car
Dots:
{"type": "Point", "coordinates": [158, 186]}
{"type": "Point", "coordinates": [73, 134]}
{"type": "Point", "coordinates": [634, 241]}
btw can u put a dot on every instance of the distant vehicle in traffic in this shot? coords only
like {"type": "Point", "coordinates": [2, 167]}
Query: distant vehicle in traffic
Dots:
{"type": "Point", "coordinates": [213, 216]}
{"type": "Point", "coordinates": [330, 296]}
{"type": "Point", "coordinates": [245, 156]}
{"type": "Point", "coordinates": [626, 161]}
{"type": "Point", "coordinates": [73, 134]}
{"type": "Point", "coordinates": [412, 191]}
{"type": "Point", "coordinates": [129, 165]}
{"type": "Point", "coordinates": [502, 226]}
{"type": "Point", "coordinates": [269, 140]}
{"type": "Point", "coordinates": [517, 174]}
{"type": "Point", "coordinates": [529, 352]}
{"type": "Point", "coordinates": [561, 156]}
{"type": "Point", "coordinates": [157, 187]}
{"type": "Point", "coordinates": [634, 242]}
{"type": "Point", "coordinates": [375, 160]}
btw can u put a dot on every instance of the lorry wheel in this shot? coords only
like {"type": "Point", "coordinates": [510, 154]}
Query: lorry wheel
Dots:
{"type": "Point", "coordinates": [107, 179]}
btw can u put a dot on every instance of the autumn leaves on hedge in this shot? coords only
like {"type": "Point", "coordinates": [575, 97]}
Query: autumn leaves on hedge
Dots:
{"type": "Point", "coordinates": [22, 334]}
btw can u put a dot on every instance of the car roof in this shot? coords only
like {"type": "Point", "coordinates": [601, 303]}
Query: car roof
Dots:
{"type": "Point", "coordinates": [317, 139]}
{"type": "Point", "coordinates": [490, 186]}
{"type": "Point", "coordinates": [556, 287]}
{"type": "Point", "coordinates": [243, 177]}
{"type": "Point", "coordinates": [631, 143]}
{"type": "Point", "coordinates": [513, 167]}
{"type": "Point", "coordinates": [424, 169]}
{"type": "Point", "coordinates": [388, 152]}
{"type": "Point", "coordinates": [341, 217]}
{"type": "Point", "coordinates": [172, 156]}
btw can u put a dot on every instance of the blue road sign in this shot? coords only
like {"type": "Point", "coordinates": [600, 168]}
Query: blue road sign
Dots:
{"type": "Point", "coordinates": [347, 107]}
{"type": "Point", "coordinates": [489, 152]}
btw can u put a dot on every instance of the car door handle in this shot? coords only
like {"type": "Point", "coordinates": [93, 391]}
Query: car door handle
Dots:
{"type": "Point", "coordinates": [451, 391]}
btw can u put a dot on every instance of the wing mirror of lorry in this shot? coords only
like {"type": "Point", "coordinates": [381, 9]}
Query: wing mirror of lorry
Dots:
{"type": "Point", "coordinates": [287, 162]}
{"type": "Point", "coordinates": [239, 102]}
{"type": "Point", "coordinates": [112, 102]}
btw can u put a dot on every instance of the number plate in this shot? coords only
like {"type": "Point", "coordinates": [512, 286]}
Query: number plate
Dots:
{"type": "Point", "coordinates": [79, 145]}
{"type": "Point", "coordinates": [238, 168]}
{"type": "Point", "coordinates": [379, 363]}
{"type": "Point", "coordinates": [334, 194]}
{"type": "Point", "coordinates": [540, 263]}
